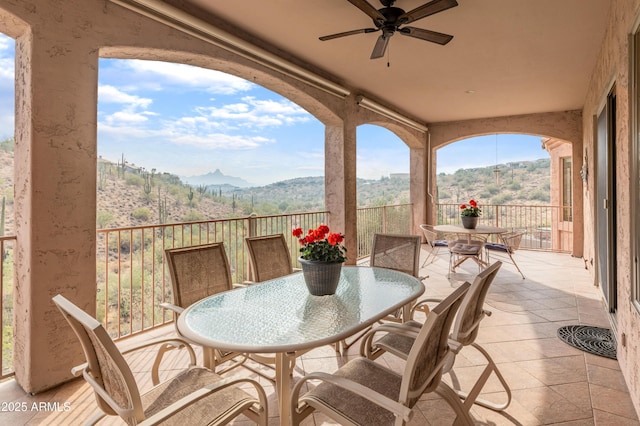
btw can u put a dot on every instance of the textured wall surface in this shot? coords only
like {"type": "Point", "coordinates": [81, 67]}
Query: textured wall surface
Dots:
{"type": "Point", "coordinates": [612, 70]}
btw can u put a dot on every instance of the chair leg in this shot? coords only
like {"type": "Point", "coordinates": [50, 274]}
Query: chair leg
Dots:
{"type": "Point", "coordinates": [515, 264]}
{"type": "Point", "coordinates": [471, 397]}
{"type": "Point", "coordinates": [462, 415]}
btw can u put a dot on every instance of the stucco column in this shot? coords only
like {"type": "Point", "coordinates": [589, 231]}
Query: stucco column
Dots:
{"type": "Point", "coordinates": [418, 171]}
{"type": "Point", "coordinates": [55, 200]}
{"type": "Point", "coordinates": [578, 199]}
{"type": "Point", "coordinates": [340, 180]}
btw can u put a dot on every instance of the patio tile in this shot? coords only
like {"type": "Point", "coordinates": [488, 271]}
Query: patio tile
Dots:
{"type": "Point", "coordinates": [550, 406]}
{"type": "Point", "coordinates": [555, 371]}
{"type": "Point", "coordinates": [612, 401]}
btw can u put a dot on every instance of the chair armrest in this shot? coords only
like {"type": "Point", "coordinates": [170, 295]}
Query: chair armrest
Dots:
{"type": "Point", "coordinates": [170, 306]}
{"type": "Point", "coordinates": [422, 305]}
{"type": "Point", "coordinates": [389, 404]}
{"type": "Point", "coordinates": [184, 402]}
{"type": "Point", "coordinates": [366, 342]}
{"type": "Point", "coordinates": [167, 344]}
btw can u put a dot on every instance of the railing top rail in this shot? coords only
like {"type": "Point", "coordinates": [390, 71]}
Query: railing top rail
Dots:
{"type": "Point", "coordinates": [388, 205]}
{"type": "Point", "coordinates": [203, 222]}
{"type": "Point", "coordinates": [505, 205]}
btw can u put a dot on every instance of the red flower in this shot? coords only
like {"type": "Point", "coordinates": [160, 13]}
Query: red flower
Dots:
{"type": "Point", "coordinates": [320, 244]}
{"type": "Point", "coordinates": [473, 204]}
{"type": "Point", "coordinates": [463, 206]}
{"type": "Point", "coordinates": [334, 239]}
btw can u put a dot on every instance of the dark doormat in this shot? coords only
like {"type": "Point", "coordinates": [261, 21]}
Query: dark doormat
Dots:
{"type": "Point", "coordinates": [594, 340]}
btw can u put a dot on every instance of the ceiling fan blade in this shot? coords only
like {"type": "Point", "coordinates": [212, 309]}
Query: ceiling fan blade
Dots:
{"type": "Point", "coordinates": [348, 33]}
{"type": "Point", "coordinates": [427, 35]}
{"type": "Point", "coordinates": [425, 10]}
{"type": "Point", "coordinates": [380, 47]}
{"type": "Point", "coordinates": [366, 7]}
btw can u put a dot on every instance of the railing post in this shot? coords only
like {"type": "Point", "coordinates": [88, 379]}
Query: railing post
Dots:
{"type": "Point", "coordinates": [384, 219]}
{"type": "Point", "coordinates": [497, 216]}
{"type": "Point", "coordinates": [252, 225]}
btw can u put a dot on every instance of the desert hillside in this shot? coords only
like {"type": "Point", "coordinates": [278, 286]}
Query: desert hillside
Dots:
{"type": "Point", "coordinates": [128, 196]}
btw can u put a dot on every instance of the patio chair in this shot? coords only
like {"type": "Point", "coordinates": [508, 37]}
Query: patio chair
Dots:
{"type": "Point", "coordinates": [198, 272]}
{"type": "Point", "coordinates": [398, 339]}
{"type": "Point", "coordinates": [510, 243]}
{"type": "Point", "coordinates": [363, 392]}
{"type": "Point", "coordinates": [391, 251]}
{"type": "Point", "coordinates": [433, 243]}
{"type": "Point", "coordinates": [398, 252]}
{"type": "Point", "coordinates": [462, 250]}
{"type": "Point", "coordinates": [269, 257]}
{"type": "Point", "coordinates": [194, 396]}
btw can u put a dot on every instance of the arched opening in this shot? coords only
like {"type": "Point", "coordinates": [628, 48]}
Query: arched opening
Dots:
{"type": "Point", "coordinates": [523, 182]}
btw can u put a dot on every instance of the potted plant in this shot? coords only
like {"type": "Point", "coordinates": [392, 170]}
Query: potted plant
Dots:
{"type": "Point", "coordinates": [470, 214]}
{"type": "Point", "coordinates": [321, 256]}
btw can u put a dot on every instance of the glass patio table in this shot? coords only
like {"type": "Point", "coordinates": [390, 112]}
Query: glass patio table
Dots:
{"type": "Point", "coordinates": [280, 316]}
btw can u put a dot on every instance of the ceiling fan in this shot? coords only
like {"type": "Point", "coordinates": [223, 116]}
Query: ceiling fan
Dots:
{"type": "Point", "coordinates": [391, 19]}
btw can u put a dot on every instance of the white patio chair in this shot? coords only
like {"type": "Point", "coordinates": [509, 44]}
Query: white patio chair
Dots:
{"type": "Point", "coordinates": [398, 339]}
{"type": "Point", "coordinates": [363, 392]}
{"type": "Point", "coordinates": [505, 250]}
{"type": "Point", "coordinates": [194, 396]}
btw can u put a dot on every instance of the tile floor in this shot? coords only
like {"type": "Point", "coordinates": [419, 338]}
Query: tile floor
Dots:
{"type": "Point", "coordinates": [551, 382]}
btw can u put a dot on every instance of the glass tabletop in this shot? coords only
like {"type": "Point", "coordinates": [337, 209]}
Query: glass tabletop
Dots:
{"type": "Point", "coordinates": [281, 316]}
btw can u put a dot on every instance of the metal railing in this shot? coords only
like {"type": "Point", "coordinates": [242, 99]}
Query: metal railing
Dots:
{"type": "Point", "coordinates": [132, 277]}
{"type": "Point", "coordinates": [396, 219]}
{"type": "Point", "coordinates": [543, 225]}
{"type": "Point", "coordinates": [7, 249]}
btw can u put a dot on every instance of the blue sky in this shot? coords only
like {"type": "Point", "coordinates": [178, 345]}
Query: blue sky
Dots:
{"type": "Point", "coordinates": [190, 121]}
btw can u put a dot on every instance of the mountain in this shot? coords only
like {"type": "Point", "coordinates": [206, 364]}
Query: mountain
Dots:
{"type": "Point", "coordinates": [216, 178]}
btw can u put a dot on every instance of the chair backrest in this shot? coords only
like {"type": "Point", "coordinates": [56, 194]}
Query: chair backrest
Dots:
{"type": "Point", "coordinates": [466, 326]}
{"type": "Point", "coordinates": [430, 350]}
{"type": "Point", "coordinates": [398, 252]}
{"type": "Point", "coordinates": [269, 257]}
{"type": "Point", "coordinates": [429, 234]}
{"type": "Point", "coordinates": [197, 272]}
{"type": "Point", "coordinates": [512, 240]}
{"type": "Point", "coordinates": [106, 371]}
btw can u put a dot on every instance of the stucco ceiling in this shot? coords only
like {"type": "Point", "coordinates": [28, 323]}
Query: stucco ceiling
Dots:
{"type": "Point", "coordinates": [507, 57]}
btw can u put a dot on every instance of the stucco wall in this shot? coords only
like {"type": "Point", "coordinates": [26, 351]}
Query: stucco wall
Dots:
{"type": "Point", "coordinates": [613, 67]}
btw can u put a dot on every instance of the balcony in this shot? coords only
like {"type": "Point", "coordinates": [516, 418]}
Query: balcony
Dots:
{"type": "Point", "coordinates": [551, 381]}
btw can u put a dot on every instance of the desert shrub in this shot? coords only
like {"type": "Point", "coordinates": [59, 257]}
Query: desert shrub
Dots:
{"type": "Point", "coordinates": [141, 213]}
{"type": "Point", "coordinates": [103, 218]}
{"type": "Point", "coordinates": [539, 195]}
{"type": "Point", "coordinates": [502, 199]}
{"type": "Point", "coordinates": [192, 216]}
{"type": "Point", "coordinates": [134, 180]}
{"type": "Point", "coordinates": [515, 186]}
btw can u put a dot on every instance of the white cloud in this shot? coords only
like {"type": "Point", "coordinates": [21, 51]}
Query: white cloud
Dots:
{"type": "Point", "coordinates": [127, 128]}
{"type": "Point", "coordinates": [126, 117]}
{"type": "Point", "coordinates": [111, 94]}
{"type": "Point", "coordinates": [253, 112]}
{"type": "Point", "coordinates": [221, 141]}
{"type": "Point", "coordinates": [189, 76]}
